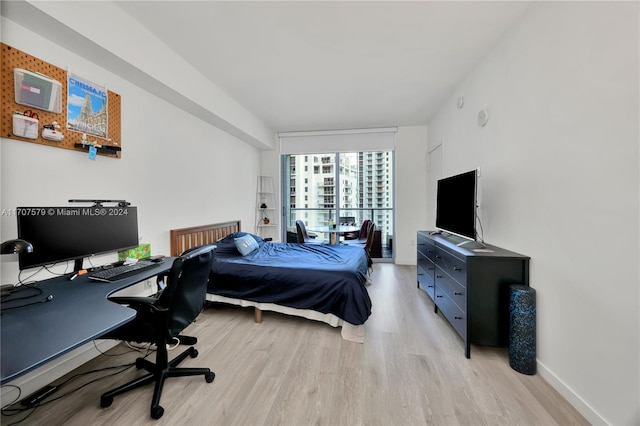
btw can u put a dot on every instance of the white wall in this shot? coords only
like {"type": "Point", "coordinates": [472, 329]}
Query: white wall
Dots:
{"type": "Point", "coordinates": [559, 160]}
{"type": "Point", "coordinates": [178, 170]}
{"type": "Point", "coordinates": [411, 191]}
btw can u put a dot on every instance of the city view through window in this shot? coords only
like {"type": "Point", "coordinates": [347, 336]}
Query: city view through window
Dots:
{"type": "Point", "coordinates": [341, 188]}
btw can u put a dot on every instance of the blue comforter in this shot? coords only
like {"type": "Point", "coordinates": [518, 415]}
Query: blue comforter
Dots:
{"type": "Point", "coordinates": [323, 278]}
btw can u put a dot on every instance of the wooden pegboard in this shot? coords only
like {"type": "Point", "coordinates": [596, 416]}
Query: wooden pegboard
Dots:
{"type": "Point", "coordinates": [14, 58]}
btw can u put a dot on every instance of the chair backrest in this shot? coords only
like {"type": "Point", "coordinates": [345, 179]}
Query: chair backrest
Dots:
{"type": "Point", "coordinates": [364, 228]}
{"type": "Point", "coordinates": [301, 231]}
{"type": "Point", "coordinates": [370, 232]}
{"type": "Point", "coordinates": [292, 237]}
{"type": "Point", "coordinates": [347, 220]}
{"type": "Point", "coordinates": [186, 291]}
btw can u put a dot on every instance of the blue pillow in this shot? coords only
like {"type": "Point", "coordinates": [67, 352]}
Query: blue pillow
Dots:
{"type": "Point", "coordinates": [246, 244]}
{"type": "Point", "coordinates": [231, 237]}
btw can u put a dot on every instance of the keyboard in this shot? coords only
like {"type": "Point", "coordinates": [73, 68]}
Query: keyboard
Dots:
{"type": "Point", "coordinates": [119, 272]}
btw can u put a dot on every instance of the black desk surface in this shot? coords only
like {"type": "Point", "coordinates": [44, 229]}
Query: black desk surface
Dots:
{"type": "Point", "coordinates": [78, 313]}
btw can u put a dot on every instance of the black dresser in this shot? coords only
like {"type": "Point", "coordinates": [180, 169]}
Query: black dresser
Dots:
{"type": "Point", "coordinates": [469, 284]}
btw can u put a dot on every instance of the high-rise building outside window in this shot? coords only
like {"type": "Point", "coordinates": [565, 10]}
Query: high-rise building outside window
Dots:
{"type": "Point", "coordinates": [354, 186]}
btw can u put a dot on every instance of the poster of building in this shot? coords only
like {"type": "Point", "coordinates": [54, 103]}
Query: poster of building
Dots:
{"type": "Point", "coordinates": [86, 107]}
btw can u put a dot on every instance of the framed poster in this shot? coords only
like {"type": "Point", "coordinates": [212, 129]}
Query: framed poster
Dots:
{"type": "Point", "coordinates": [86, 107]}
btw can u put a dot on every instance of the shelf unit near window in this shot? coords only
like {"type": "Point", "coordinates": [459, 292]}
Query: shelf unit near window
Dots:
{"type": "Point", "coordinates": [266, 218]}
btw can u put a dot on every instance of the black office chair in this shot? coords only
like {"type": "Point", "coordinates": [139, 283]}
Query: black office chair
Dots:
{"type": "Point", "coordinates": [160, 319]}
{"type": "Point", "coordinates": [303, 237]}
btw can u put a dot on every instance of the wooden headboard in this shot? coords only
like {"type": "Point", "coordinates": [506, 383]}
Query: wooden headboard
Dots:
{"type": "Point", "coordinates": [185, 238]}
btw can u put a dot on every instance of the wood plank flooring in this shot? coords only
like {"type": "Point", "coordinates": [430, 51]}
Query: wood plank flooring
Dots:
{"type": "Point", "coordinates": [411, 370]}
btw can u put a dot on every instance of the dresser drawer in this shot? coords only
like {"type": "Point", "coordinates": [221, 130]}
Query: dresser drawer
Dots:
{"type": "Point", "coordinates": [426, 270]}
{"type": "Point", "coordinates": [426, 247]}
{"type": "Point", "coordinates": [456, 292]}
{"type": "Point", "coordinates": [455, 267]}
{"type": "Point", "coordinates": [450, 310]}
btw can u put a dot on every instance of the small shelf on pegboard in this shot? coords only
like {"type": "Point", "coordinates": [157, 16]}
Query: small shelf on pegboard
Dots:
{"type": "Point", "coordinates": [103, 149]}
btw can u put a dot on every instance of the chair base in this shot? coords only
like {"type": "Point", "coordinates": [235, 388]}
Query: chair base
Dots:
{"type": "Point", "coordinates": [158, 373]}
{"type": "Point", "coordinates": [187, 340]}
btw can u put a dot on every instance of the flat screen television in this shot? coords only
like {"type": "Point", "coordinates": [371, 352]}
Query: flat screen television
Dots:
{"type": "Point", "coordinates": [456, 204]}
{"type": "Point", "coordinates": [72, 233]}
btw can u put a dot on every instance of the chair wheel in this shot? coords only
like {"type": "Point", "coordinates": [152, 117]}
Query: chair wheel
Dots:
{"type": "Point", "coordinates": [209, 376]}
{"type": "Point", "coordinates": [157, 412]}
{"type": "Point", "coordinates": [105, 401]}
{"type": "Point", "coordinates": [194, 353]}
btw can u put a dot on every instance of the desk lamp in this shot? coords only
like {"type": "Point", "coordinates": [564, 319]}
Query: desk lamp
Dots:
{"type": "Point", "coordinates": [16, 246]}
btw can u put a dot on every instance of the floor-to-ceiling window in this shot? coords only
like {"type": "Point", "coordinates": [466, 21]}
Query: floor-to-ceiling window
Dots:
{"type": "Point", "coordinates": [342, 176]}
{"type": "Point", "coordinates": [342, 187]}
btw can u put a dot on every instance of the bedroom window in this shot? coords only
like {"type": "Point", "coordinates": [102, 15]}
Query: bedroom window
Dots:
{"type": "Point", "coordinates": [347, 186]}
{"type": "Point", "coordinates": [350, 179]}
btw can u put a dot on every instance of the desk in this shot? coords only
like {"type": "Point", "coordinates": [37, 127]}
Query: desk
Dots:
{"type": "Point", "coordinates": [78, 313]}
{"type": "Point", "coordinates": [334, 231]}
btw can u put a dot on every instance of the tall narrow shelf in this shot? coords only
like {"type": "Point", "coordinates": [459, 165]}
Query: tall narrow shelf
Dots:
{"type": "Point", "coordinates": [266, 223]}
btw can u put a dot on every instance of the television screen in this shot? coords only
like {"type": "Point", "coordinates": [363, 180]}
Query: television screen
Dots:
{"type": "Point", "coordinates": [73, 233]}
{"type": "Point", "coordinates": [456, 204]}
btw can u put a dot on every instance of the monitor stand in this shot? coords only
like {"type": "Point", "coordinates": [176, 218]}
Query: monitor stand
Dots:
{"type": "Point", "coordinates": [77, 265]}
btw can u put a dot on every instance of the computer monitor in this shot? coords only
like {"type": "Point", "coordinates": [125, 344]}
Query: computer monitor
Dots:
{"type": "Point", "coordinates": [73, 233]}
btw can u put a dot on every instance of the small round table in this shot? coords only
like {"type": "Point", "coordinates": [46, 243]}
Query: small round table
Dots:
{"type": "Point", "coordinates": [334, 231]}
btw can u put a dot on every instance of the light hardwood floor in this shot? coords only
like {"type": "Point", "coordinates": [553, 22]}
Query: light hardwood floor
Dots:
{"type": "Point", "coordinates": [411, 370]}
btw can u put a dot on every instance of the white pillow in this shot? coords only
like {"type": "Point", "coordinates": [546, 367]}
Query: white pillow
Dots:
{"type": "Point", "coordinates": [246, 244]}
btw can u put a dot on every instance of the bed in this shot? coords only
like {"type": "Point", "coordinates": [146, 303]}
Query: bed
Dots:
{"type": "Point", "coordinates": [323, 283]}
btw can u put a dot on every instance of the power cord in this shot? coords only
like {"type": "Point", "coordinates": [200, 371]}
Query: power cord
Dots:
{"type": "Point", "coordinates": [38, 401]}
{"type": "Point", "coordinates": [20, 282]}
{"type": "Point", "coordinates": [19, 393]}
{"type": "Point", "coordinates": [43, 268]}
{"type": "Point", "coordinates": [481, 235]}
{"type": "Point", "coordinates": [10, 412]}
{"type": "Point", "coordinates": [6, 298]}
{"type": "Point", "coordinates": [133, 349]}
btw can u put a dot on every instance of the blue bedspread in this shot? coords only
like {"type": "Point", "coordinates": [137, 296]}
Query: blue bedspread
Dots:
{"type": "Point", "coordinates": [323, 278]}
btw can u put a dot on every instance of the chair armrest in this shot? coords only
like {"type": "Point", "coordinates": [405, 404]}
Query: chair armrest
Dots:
{"type": "Point", "coordinates": [138, 301]}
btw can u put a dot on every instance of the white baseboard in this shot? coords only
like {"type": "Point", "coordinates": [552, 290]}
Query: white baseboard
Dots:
{"type": "Point", "coordinates": [409, 262]}
{"type": "Point", "coordinates": [574, 399]}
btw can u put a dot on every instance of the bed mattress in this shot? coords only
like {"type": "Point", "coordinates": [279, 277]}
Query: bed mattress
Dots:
{"type": "Point", "coordinates": [324, 278]}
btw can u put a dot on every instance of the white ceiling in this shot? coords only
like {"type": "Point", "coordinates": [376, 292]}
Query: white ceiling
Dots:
{"type": "Point", "coordinates": [302, 65]}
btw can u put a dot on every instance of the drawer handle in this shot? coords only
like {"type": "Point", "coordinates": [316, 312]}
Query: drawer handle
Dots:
{"type": "Point", "coordinates": [420, 274]}
{"type": "Point", "coordinates": [438, 276]}
{"type": "Point", "coordinates": [429, 251]}
{"type": "Point", "coordinates": [420, 244]}
{"type": "Point", "coordinates": [430, 286]}
{"type": "Point", "coordinates": [438, 257]}
{"type": "Point", "coordinates": [457, 318]}
{"type": "Point", "coordinates": [431, 268]}
{"type": "Point", "coordinates": [438, 295]}
{"type": "Point", "coordinates": [457, 293]}
{"type": "Point", "coordinates": [457, 269]}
